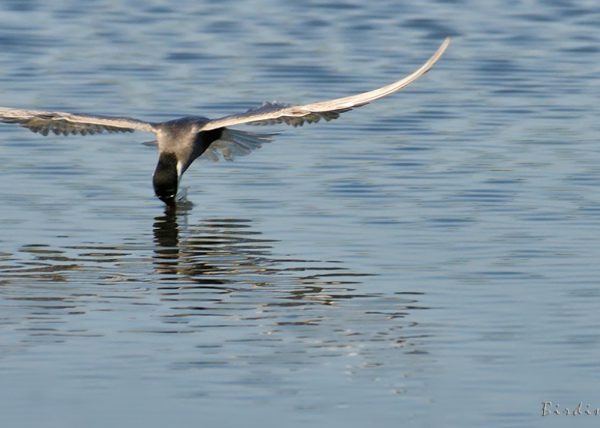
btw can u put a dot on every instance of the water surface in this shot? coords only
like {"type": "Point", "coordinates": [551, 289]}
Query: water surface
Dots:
{"type": "Point", "coordinates": [428, 260]}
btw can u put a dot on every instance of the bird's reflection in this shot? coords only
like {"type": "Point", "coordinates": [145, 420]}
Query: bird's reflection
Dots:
{"type": "Point", "coordinates": [214, 251]}
{"type": "Point", "coordinates": [166, 240]}
{"type": "Point", "coordinates": [229, 254]}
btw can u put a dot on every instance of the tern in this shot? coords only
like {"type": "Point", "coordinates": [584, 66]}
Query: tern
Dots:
{"type": "Point", "coordinates": [183, 140]}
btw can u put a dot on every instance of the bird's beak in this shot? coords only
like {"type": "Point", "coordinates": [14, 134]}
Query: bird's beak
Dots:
{"type": "Point", "coordinates": [168, 200]}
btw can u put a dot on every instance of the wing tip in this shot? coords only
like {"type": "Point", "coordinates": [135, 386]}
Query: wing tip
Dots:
{"type": "Point", "coordinates": [444, 45]}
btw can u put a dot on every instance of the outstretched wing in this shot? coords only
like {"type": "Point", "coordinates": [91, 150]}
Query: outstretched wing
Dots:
{"type": "Point", "coordinates": [270, 113]}
{"type": "Point", "coordinates": [58, 122]}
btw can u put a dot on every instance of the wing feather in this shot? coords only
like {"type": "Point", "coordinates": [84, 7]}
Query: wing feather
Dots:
{"type": "Point", "coordinates": [44, 122]}
{"type": "Point", "coordinates": [271, 113]}
{"type": "Point", "coordinates": [234, 143]}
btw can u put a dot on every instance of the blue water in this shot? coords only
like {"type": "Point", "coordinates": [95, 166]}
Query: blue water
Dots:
{"type": "Point", "coordinates": [427, 260]}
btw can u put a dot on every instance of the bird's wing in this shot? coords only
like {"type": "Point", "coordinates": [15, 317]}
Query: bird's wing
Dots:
{"type": "Point", "coordinates": [58, 122]}
{"type": "Point", "coordinates": [234, 143]}
{"type": "Point", "coordinates": [270, 113]}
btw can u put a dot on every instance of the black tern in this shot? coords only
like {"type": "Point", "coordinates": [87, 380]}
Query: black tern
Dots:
{"type": "Point", "coordinates": [183, 140]}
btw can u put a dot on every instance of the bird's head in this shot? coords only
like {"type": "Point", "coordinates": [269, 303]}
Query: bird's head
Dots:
{"type": "Point", "coordinates": [166, 178]}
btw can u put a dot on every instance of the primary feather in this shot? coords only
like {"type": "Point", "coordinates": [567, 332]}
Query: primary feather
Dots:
{"type": "Point", "coordinates": [270, 113]}
{"type": "Point", "coordinates": [44, 122]}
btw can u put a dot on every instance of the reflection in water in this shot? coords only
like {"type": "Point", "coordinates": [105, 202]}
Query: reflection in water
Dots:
{"type": "Point", "coordinates": [211, 252]}
{"type": "Point", "coordinates": [226, 254]}
{"type": "Point", "coordinates": [209, 310]}
{"type": "Point", "coordinates": [219, 273]}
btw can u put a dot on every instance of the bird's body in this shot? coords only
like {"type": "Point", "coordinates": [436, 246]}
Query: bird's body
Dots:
{"type": "Point", "coordinates": [183, 140]}
{"type": "Point", "coordinates": [179, 144]}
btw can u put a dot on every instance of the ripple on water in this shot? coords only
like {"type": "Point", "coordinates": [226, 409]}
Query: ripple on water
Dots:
{"type": "Point", "coordinates": [216, 268]}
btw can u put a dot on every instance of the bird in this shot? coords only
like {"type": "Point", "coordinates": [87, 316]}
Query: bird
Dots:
{"type": "Point", "coordinates": [183, 140]}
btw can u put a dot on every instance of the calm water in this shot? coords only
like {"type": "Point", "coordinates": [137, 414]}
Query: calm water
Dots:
{"type": "Point", "coordinates": [429, 260]}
